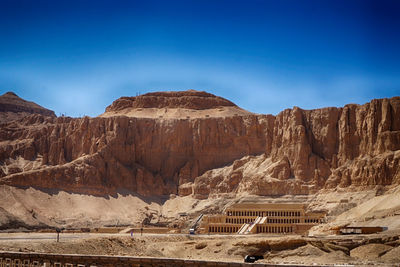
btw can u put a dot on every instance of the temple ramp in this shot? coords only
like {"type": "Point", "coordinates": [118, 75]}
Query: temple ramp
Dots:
{"type": "Point", "coordinates": [252, 228]}
{"type": "Point", "coordinates": [243, 229]}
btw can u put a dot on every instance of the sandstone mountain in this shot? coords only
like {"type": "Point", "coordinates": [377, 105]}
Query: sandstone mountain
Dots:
{"type": "Point", "coordinates": [13, 107]}
{"type": "Point", "coordinates": [190, 99]}
{"type": "Point", "coordinates": [353, 147]}
{"type": "Point", "coordinates": [178, 105]}
{"type": "Point", "coordinates": [195, 143]}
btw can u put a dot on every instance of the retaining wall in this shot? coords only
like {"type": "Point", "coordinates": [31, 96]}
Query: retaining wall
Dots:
{"type": "Point", "coordinates": [19, 259]}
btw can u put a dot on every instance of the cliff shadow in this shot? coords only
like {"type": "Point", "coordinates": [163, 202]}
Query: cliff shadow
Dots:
{"type": "Point", "coordinates": [109, 195]}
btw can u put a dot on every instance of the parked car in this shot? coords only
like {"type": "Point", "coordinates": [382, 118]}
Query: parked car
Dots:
{"type": "Point", "coordinates": [191, 231]}
{"type": "Point", "coordinates": [252, 258]}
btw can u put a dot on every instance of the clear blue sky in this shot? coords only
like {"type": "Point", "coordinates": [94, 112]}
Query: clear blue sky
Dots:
{"type": "Point", "coordinates": [76, 57]}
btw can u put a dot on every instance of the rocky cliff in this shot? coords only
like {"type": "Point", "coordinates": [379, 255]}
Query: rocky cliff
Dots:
{"type": "Point", "coordinates": [105, 154]}
{"type": "Point", "coordinates": [307, 150]}
{"type": "Point", "coordinates": [190, 99]}
{"type": "Point", "coordinates": [220, 148]}
{"type": "Point", "coordinates": [13, 107]}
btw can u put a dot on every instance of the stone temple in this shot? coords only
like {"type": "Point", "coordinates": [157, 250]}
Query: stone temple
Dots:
{"type": "Point", "coordinates": [253, 218]}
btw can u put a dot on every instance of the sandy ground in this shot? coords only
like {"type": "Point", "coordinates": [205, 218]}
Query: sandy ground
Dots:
{"type": "Point", "coordinates": [359, 209]}
{"type": "Point", "coordinates": [31, 208]}
{"type": "Point", "coordinates": [375, 249]}
{"type": "Point", "coordinates": [59, 208]}
{"type": "Point", "coordinates": [62, 209]}
{"type": "Point", "coordinates": [20, 208]}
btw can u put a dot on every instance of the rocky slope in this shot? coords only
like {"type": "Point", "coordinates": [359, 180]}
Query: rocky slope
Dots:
{"type": "Point", "coordinates": [189, 104]}
{"type": "Point", "coordinates": [306, 150]}
{"type": "Point", "coordinates": [147, 156]}
{"type": "Point", "coordinates": [127, 148]}
{"type": "Point", "coordinates": [13, 107]}
{"type": "Point", "coordinates": [190, 99]}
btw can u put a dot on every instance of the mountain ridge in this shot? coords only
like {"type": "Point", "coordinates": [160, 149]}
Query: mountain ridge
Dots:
{"type": "Point", "coordinates": [13, 107]}
{"type": "Point", "coordinates": [302, 151]}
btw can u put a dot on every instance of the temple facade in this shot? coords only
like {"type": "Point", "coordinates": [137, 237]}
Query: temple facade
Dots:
{"type": "Point", "coordinates": [252, 218]}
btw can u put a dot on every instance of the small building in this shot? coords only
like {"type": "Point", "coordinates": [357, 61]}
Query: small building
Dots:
{"type": "Point", "coordinates": [354, 230]}
{"type": "Point", "coordinates": [276, 218]}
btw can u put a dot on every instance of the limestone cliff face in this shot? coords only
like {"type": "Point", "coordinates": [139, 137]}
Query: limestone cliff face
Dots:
{"type": "Point", "coordinates": [296, 152]}
{"type": "Point", "coordinates": [307, 150]}
{"type": "Point", "coordinates": [101, 155]}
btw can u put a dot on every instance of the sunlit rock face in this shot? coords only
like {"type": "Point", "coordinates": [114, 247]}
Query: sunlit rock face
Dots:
{"type": "Point", "coordinates": [13, 107]}
{"type": "Point", "coordinates": [190, 99]}
{"type": "Point", "coordinates": [307, 150]}
{"type": "Point", "coordinates": [195, 143]}
{"type": "Point", "coordinates": [150, 156]}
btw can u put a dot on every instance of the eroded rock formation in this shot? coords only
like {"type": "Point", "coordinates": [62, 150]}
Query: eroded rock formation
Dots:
{"type": "Point", "coordinates": [190, 99]}
{"type": "Point", "coordinates": [102, 155]}
{"type": "Point", "coordinates": [307, 150]}
{"type": "Point", "coordinates": [296, 152]}
{"type": "Point", "coordinates": [13, 107]}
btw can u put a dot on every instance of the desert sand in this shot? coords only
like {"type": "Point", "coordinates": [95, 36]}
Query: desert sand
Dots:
{"type": "Point", "coordinates": [375, 249]}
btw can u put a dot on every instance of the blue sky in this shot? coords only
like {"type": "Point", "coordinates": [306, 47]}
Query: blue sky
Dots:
{"type": "Point", "coordinates": [76, 57]}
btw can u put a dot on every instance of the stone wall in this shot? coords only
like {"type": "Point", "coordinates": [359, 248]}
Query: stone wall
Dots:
{"type": "Point", "coordinates": [60, 260]}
